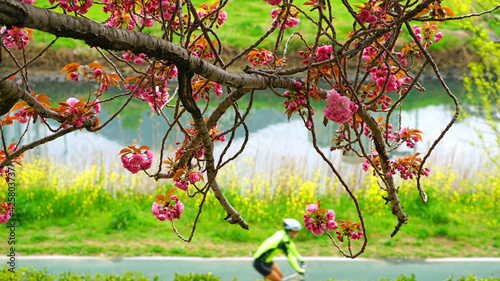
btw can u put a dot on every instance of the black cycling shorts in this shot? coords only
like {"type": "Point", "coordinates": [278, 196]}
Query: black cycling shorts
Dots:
{"type": "Point", "coordinates": [262, 267]}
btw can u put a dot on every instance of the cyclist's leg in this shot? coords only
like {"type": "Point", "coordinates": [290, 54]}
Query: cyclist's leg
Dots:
{"type": "Point", "coordinates": [277, 269]}
{"type": "Point", "coordinates": [273, 276]}
{"type": "Point", "coordinates": [266, 269]}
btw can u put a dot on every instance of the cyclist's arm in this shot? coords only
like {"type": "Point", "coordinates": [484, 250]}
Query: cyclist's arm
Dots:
{"type": "Point", "coordinates": [294, 258]}
{"type": "Point", "coordinates": [295, 253]}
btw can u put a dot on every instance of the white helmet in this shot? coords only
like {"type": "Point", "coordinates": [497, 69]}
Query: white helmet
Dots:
{"type": "Point", "coordinates": [292, 224]}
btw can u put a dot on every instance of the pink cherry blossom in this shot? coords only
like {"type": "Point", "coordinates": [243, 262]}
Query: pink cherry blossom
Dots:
{"type": "Point", "coordinates": [339, 108]}
{"type": "Point", "coordinates": [222, 18]}
{"type": "Point", "coordinates": [330, 215]}
{"type": "Point", "coordinates": [194, 178]}
{"type": "Point", "coordinates": [161, 217]}
{"type": "Point", "coordinates": [97, 106]}
{"type": "Point", "coordinates": [72, 102]}
{"type": "Point", "coordinates": [331, 225]}
{"type": "Point", "coordinates": [312, 208]}
{"type": "Point", "coordinates": [138, 162]}
{"type": "Point", "coordinates": [324, 53]}
{"type": "Point", "coordinates": [363, 15]}
{"type": "Point", "coordinates": [217, 89]}
{"type": "Point", "coordinates": [5, 216]}
{"type": "Point", "coordinates": [23, 116]}
{"type": "Point", "coordinates": [156, 208]}
{"type": "Point", "coordinates": [316, 229]}
{"type": "Point", "coordinates": [438, 37]}
{"type": "Point", "coordinates": [15, 37]}
{"type": "Point", "coordinates": [369, 53]}
{"type": "Point", "coordinates": [273, 2]}
{"type": "Point", "coordinates": [177, 211]}
{"type": "Point", "coordinates": [181, 184]}
{"type": "Point", "coordinates": [74, 76]}
{"type": "Point", "coordinates": [172, 210]}
{"type": "Point", "coordinates": [372, 19]}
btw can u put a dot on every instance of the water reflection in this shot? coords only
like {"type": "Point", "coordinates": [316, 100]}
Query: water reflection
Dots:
{"type": "Point", "coordinates": [274, 142]}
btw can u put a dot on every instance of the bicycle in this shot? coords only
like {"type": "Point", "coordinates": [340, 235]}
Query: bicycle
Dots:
{"type": "Point", "coordinates": [294, 277]}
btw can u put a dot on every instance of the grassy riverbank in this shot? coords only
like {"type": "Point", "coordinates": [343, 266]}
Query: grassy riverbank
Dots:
{"type": "Point", "coordinates": [24, 274]}
{"type": "Point", "coordinates": [245, 26]}
{"type": "Point", "coordinates": [105, 213]}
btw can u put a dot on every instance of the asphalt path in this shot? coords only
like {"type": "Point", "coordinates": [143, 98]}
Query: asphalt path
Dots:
{"type": "Point", "coordinates": [318, 268]}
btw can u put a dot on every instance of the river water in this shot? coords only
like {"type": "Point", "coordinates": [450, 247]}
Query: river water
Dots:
{"type": "Point", "coordinates": [274, 142]}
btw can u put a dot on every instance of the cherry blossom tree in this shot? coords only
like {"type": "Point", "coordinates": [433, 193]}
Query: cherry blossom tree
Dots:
{"type": "Point", "coordinates": [189, 50]}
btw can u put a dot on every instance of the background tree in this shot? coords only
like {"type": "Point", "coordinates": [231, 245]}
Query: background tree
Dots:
{"type": "Point", "coordinates": [360, 73]}
{"type": "Point", "coordinates": [483, 77]}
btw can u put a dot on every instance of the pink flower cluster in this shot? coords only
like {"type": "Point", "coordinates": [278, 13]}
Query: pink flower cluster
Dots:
{"type": "Point", "coordinates": [339, 108]}
{"type": "Point", "coordinates": [406, 171]}
{"type": "Point", "coordinates": [145, 92]}
{"type": "Point", "coordinates": [138, 161]}
{"type": "Point", "coordinates": [4, 172]}
{"type": "Point", "coordinates": [407, 137]}
{"type": "Point", "coordinates": [365, 16]}
{"type": "Point", "coordinates": [404, 61]}
{"type": "Point", "coordinates": [317, 222]}
{"type": "Point", "coordinates": [73, 115]}
{"type": "Point", "coordinates": [438, 37]}
{"type": "Point", "coordinates": [294, 101]}
{"type": "Point", "coordinates": [80, 6]}
{"type": "Point", "coordinates": [23, 116]}
{"type": "Point", "coordinates": [137, 59]}
{"type": "Point", "coordinates": [425, 36]}
{"type": "Point", "coordinates": [118, 21]}
{"type": "Point", "coordinates": [406, 167]}
{"type": "Point", "coordinates": [292, 20]}
{"type": "Point", "coordinates": [5, 216]}
{"type": "Point", "coordinates": [324, 53]}
{"type": "Point", "coordinates": [369, 53]}
{"type": "Point", "coordinates": [217, 89]}
{"type": "Point", "coordinates": [262, 57]}
{"type": "Point", "coordinates": [379, 75]}
{"type": "Point", "coordinates": [220, 19]}
{"type": "Point", "coordinates": [5, 207]}
{"type": "Point", "coordinates": [355, 235]}
{"type": "Point", "coordinates": [119, 13]}
{"type": "Point", "coordinates": [273, 2]}
{"type": "Point", "coordinates": [171, 211]}
{"type": "Point", "coordinates": [183, 184]}
{"type": "Point", "coordinates": [383, 100]}
{"type": "Point", "coordinates": [15, 37]}
{"type": "Point", "coordinates": [205, 92]}
{"type": "Point", "coordinates": [201, 51]}
{"type": "Point", "coordinates": [366, 165]}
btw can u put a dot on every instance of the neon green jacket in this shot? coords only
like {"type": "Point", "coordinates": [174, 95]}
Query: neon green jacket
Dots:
{"type": "Point", "coordinates": [280, 243]}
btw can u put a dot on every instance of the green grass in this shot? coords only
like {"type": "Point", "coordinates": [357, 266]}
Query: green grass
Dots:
{"type": "Point", "coordinates": [99, 212]}
{"type": "Point", "coordinates": [245, 26]}
{"type": "Point", "coordinates": [25, 274]}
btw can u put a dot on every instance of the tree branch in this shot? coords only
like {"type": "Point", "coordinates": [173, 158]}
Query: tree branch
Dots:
{"type": "Point", "coordinates": [12, 91]}
{"type": "Point", "coordinates": [13, 12]}
{"type": "Point", "coordinates": [186, 96]}
{"type": "Point", "coordinates": [22, 149]}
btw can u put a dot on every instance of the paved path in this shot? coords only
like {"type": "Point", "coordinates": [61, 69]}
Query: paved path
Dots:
{"type": "Point", "coordinates": [319, 268]}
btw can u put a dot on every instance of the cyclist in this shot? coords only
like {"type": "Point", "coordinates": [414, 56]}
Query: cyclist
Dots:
{"type": "Point", "coordinates": [279, 242]}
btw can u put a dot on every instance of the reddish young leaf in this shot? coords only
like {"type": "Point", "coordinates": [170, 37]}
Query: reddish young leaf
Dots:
{"type": "Point", "coordinates": [95, 65]}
